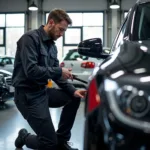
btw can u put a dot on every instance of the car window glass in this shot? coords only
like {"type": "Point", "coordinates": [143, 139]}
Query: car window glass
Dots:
{"type": "Point", "coordinates": [6, 61]}
{"type": "Point", "coordinates": [120, 37]}
{"type": "Point", "coordinates": [142, 23]}
{"type": "Point", "coordinates": [74, 55]}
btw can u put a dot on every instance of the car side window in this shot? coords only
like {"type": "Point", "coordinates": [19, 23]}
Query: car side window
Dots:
{"type": "Point", "coordinates": [75, 56]}
{"type": "Point", "coordinates": [120, 37]}
{"type": "Point", "coordinates": [6, 61]}
{"type": "Point", "coordinates": [142, 23]}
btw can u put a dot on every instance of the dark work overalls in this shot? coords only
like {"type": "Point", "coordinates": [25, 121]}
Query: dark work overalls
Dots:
{"type": "Point", "coordinates": [36, 62]}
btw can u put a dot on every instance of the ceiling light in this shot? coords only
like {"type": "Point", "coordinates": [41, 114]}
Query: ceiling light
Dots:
{"type": "Point", "coordinates": [114, 5]}
{"type": "Point", "coordinates": [33, 7]}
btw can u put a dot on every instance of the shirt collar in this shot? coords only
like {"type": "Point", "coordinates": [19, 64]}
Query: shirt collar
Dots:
{"type": "Point", "coordinates": [44, 35]}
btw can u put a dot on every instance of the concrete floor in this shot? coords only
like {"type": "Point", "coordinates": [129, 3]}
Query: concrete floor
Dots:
{"type": "Point", "coordinates": [11, 122]}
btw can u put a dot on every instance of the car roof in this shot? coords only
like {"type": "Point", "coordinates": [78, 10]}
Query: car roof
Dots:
{"type": "Point", "coordinates": [142, 1]}
{"type": "Point", "coordinates": [5, 56]}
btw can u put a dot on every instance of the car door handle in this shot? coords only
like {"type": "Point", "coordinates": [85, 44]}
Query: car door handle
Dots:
{"type": "Point", "coordinates": [71, 64]}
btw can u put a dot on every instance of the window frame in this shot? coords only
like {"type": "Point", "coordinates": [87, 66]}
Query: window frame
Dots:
{"type": "Point", "coordinates": [86, 26]}
{"type": "Point", "coordinates": [20, 12]}
{"type": "Point", "coordinates": [81, 35]}
{"type": "Point", "coordinates": [72, 44]}
{"type": "Point", "coordinates": [4, 36]}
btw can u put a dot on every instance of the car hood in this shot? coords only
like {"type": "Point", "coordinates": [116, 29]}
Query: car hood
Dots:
{"type": "Point", "coordinates": [5, 73]}
{"type": "Point", "coordinates": [145, 43]}
{"type": "Point", "coordinates": [128, 57]}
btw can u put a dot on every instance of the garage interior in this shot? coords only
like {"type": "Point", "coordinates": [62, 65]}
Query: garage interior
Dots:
{"type": "Point", "coordinates": [16, 19]}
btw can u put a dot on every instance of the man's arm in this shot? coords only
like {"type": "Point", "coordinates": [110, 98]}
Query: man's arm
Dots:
{"type": "Point", "coordinates": [63, 83]}
{"type": "Point", "coordinates": [29, 57]}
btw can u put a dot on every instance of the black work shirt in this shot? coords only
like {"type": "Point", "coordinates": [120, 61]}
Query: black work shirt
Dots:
{"type": "Point", "coordinates": [36, 62]}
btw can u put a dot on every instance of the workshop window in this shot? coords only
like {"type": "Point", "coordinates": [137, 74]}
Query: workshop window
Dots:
{"type": "Point", "coordinates": [85, 25]}
{"type": "Point", "coordinates": [12, 26]}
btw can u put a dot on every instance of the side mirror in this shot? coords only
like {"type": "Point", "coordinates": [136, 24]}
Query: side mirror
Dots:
{"type": "Point", "coordinates": [92, 48]}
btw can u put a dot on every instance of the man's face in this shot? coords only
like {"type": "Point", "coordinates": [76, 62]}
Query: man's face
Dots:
{"type": "Point", "coordinates": [58, 29]}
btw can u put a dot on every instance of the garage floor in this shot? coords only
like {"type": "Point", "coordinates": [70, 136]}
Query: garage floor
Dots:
{"type": "Point", "coordinates": [11, 122]}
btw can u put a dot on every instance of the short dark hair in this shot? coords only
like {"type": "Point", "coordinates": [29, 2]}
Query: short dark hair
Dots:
{"type": "Point", "coordinates": [59, 15]}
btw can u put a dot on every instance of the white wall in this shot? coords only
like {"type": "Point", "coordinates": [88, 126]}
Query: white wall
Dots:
{"type": "Point", "coordinates": [69, 5]}
{"type": "Point", "coordinates": [127, 4]}
{"type": "Point", "coordinates": [13, 5]}
{"type": "Point", "coordinates": [74, 5]}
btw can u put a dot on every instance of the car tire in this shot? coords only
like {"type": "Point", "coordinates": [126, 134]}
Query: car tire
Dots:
{"type": "Point", "coordinates": [93, 135]}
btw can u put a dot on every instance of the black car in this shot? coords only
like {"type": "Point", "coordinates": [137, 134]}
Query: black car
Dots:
{"type": "Point", "coordinates": [118, 99]}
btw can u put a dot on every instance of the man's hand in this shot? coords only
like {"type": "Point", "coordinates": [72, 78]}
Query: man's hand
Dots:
{"type": "Point", "coordinates": [66, 73]}
{"type": "Point", "coordinates": [80, 93]}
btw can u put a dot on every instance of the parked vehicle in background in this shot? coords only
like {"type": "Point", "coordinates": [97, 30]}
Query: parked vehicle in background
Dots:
{"type": "Point", "coordinates": [118, 98]}
{"type": "Point", "coordinates": [7, 63]}
{"type": "Point", "coordinates": [82, 66]}
{"type": "Point", "coordinates": [6, 88]}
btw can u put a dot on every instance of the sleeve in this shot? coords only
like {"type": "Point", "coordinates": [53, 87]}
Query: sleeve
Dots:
{"type": "Point", "coordinates": [62, 83]}
{"type": "Point", "coordinates": [29, 57]}
{"type": "Point", "coordinates": [65, 85]}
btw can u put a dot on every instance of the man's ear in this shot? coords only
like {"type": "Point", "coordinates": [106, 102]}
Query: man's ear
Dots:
{"type": "Point", "coordinates": [51, 22]}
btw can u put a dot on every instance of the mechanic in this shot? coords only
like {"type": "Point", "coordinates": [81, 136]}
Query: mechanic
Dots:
{"type": "Point", "coordinates": [35, 63]}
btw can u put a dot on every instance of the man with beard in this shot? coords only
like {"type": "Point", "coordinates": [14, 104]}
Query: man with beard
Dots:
{"type": "Point", "coordinates": [35, 63]}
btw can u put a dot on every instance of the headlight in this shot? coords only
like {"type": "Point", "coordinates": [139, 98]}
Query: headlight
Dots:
{"type": "Point", "coordinates": [132, 101]}
{"type": "Point", "coordinates": [129, 105]}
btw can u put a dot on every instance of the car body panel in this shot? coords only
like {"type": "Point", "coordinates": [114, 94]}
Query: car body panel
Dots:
{"type": "Point", "coordinates": [121, 120]}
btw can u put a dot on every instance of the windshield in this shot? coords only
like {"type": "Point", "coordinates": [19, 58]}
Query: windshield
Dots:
{"type": "Point", "coordinates": [142, 23]}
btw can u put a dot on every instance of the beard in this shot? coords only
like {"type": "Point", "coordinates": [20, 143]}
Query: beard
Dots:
{"type": "Point", "coordinates": [52, 34]}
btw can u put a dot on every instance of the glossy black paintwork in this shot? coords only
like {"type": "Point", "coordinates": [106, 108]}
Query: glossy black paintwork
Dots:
{"type": "Point", "coordinates": [92, 48]}
{"type": "Point", "coordinates": [131, 58]}
{"type": "Point", "coordinates": [128, 57]}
